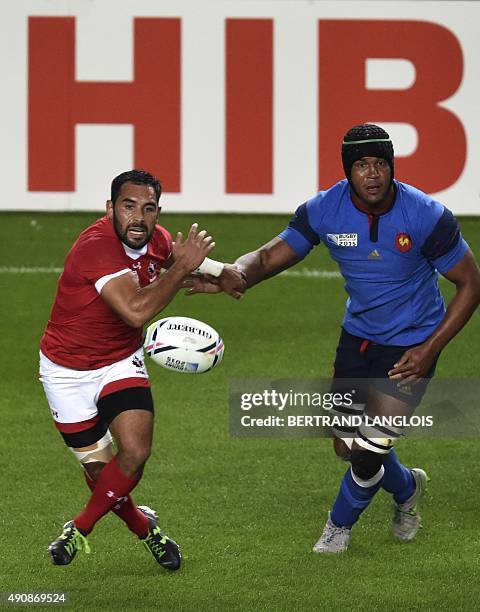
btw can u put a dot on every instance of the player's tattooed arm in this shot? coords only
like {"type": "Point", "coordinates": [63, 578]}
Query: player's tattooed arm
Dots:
{"type": "Point", "coordinates": [267, 261]}
{"type": "Point", "coordinates": [248, 270]}
{"type": "Point", "coordinates": [415, 363]}
{"type": "Point", "coordinates": [231, 281]}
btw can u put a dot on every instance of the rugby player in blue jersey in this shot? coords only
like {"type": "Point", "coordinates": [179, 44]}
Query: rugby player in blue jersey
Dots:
{"type": "Point", "coordinates": [390, 241]}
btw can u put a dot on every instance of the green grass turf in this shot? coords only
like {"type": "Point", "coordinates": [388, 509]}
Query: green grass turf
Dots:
{"type": "Point", "coordinates": [245, 511]}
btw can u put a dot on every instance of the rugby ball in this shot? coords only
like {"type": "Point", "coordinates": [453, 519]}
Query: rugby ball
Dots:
{"type": "Point", "coordinates": [184, 345]}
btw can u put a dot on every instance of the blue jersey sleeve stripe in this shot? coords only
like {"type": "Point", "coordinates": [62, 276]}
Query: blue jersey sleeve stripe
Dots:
{"type": "Point", "coordinates": [299, 234]}
{"type": "Point", "coordinates": [296, 240]}
{"type": "Point", "coordinates": [300, 223]}
{"type": "Point", "coordinates": [444, 237]}
{"type": "Point", "coordinates": [450, 259]}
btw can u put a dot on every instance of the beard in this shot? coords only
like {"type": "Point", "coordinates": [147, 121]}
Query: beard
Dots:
{"type": "Point", "coordinates": [123, 234]}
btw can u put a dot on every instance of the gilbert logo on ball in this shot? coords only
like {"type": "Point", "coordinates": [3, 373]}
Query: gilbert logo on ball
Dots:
{"type": "Point", "coordinates": [184, 345]}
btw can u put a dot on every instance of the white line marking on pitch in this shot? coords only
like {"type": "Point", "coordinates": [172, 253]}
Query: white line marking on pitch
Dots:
{"type": "Point", "coordinates": [30, 270]}
{"type": "Point", "coordinates": [305, 273]}
{"type": "Point", "coordinates": [302, 273]}
{"type": "Point", "coordinates": [311, 273]}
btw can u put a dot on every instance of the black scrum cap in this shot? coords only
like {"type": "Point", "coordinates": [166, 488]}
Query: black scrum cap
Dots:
{"type": "Point", "coordinates": [366, 140]}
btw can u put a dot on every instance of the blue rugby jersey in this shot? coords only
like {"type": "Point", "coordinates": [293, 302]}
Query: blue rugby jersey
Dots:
{"type": "Point", "coordinates": [390, 262]}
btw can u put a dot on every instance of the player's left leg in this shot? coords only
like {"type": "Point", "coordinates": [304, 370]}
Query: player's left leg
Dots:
{"type": "Point", "coordinates": [132, 430]}
{"type": "Point", "coordinates": [134, 439]}
{"type": "Point", "coordinates": [390, 400]}
{"type": "Point", "coordinates": [406, 485]}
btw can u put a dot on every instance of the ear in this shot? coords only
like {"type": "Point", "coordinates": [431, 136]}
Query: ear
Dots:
{"type": "Point", "coordinates": [109, 209]}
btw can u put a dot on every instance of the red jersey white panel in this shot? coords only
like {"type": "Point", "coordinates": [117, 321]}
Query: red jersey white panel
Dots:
{"type": "Point", "coordinates": [83, 332]}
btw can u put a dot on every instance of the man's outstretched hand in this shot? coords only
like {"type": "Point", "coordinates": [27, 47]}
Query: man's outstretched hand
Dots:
{"type": "Point", "coordinates": [231, 281]}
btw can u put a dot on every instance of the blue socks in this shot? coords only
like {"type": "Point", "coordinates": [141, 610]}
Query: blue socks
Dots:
{"type": "Point", "coordinates": [352, 499]}
{"type": "Point", "coordinates": [398, 479]}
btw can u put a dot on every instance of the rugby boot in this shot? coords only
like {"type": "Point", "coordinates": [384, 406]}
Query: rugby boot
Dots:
{"type": "Point", "coordinates": [164, 549]}
{"type": "Point", "coordinates": [65, 547]}
{"type": "Point", "coordinates": [333, 539]}
{"type": "Point", "coordinates": [406, 520]}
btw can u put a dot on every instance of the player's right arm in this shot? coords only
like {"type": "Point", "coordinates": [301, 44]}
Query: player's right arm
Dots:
{"type": "Point", "coordinates": [280, 253]}
{"type": "Point", "coordinates": [248, 270]}
{"type": "Point", "coordinates": [136, 305]}
{"type": "Point", "coordinates": [267, 261]}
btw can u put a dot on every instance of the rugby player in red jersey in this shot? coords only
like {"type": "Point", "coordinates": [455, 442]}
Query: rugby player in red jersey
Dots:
{"type": "Point", "coordinates": [91, 356]}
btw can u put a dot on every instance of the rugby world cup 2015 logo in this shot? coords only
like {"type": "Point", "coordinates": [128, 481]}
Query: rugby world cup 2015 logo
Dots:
{"type": "Point", "coordinates": [343, 240]}
{"type": "Point", "coordinates": [403, 242]}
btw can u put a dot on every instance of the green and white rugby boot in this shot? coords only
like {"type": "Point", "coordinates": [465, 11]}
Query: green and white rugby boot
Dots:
{"type": "Point", "coordinates": [65, 547]}
{"type": "Point", "coordinates": [165, 551]}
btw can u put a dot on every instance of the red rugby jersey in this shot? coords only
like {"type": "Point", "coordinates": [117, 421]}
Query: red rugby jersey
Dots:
{"type": "Point", "coordinates": [83, 332]}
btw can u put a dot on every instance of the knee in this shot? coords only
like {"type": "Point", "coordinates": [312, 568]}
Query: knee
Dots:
{"type": "Point", "coordinates": [366, 465]}
{"type": "Point", "coordinates": [133, 458]}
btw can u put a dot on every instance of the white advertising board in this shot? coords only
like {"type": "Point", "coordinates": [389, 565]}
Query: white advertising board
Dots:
{"type": "Point", "coordinates": [237, 106]}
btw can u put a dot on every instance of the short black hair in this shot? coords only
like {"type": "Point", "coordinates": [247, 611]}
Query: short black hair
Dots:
{"type": "Point", "coordinates": [137, 177]}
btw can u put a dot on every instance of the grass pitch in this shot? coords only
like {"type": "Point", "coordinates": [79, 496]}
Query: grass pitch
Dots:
{"type": "Point", "coordinates": [246, 512]}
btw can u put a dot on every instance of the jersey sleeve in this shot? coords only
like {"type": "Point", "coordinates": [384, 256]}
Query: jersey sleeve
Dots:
{"type": "Point", "coordinates": [299, 234]}
{"type": "Point", "coordinates": [444, 246]}
{"type": "Point", "coordinates": [99, 259]}
{"type": "Point", "coordinates": [165, 241]}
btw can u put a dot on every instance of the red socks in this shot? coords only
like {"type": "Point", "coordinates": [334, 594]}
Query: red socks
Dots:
{"type": "Point", "coordinates": [111, 492]}
{"type": "Point", "coordinates": [136, 521]}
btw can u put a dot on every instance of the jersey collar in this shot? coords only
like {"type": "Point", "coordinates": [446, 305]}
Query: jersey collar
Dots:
{"type": "Point", "coordinates": [135, 253]}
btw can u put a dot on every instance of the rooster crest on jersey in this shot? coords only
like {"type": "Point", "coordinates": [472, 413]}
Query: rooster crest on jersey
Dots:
{"type": "Point", "coordinates": [184, 345]}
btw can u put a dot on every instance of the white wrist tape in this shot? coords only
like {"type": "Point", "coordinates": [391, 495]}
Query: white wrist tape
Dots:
{"type": "Point", "coordinates": [210, 266]}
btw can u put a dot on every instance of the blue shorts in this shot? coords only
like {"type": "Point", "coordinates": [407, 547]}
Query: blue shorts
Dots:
{"type": "Point", "coordinates": [366, 364]}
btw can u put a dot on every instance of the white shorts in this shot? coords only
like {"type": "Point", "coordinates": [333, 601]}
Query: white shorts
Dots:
{"type": "Point", "coordinates": [73, 394]}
